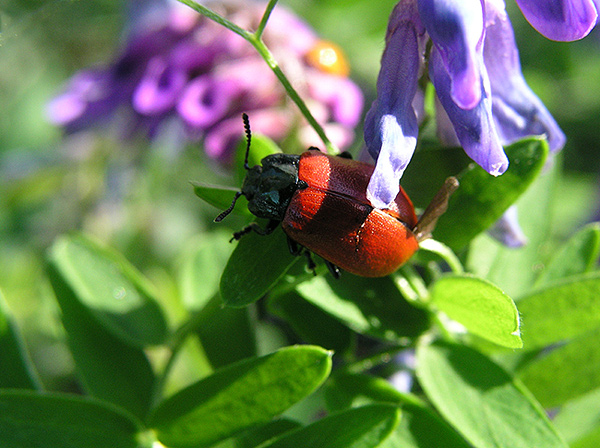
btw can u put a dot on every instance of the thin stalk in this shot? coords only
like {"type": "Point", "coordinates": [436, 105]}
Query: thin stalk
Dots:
{"type": "Point", "coordinates": [263, 21]}
{"type": "Point", "coordinates": [255, 40]}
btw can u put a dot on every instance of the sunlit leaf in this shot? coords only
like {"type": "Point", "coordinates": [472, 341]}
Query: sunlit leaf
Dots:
{"type": "Point", "coordinates": [51, 420]}
{"type": "Point", "coordinates": [480, 306]}
{"type": "Point", "coordinates": [240, 396]}
{"type": "Point", "coordinates": [481, 400]}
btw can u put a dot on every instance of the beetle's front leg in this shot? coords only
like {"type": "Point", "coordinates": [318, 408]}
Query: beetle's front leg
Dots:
{"type": "Point", "coordinates": [254, 227]}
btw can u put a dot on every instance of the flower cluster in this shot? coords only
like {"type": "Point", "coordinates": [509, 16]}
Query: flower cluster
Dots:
{"type": "Point", "coordinates": [467, 49]}
{"type": "Point", "coordinates": [179, 66]}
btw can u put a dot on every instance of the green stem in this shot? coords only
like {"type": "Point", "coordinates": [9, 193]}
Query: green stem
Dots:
{"type": "Point", "coordinates": [263, 21]}
{"type": "Point", "coordinates": [444, 252]}
{"type": "Point", "coordinates": [255, 40]}
{"type": "Point", "coordinates": [362, 365]}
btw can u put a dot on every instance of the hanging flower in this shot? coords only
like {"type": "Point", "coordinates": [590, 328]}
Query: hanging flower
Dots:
{"type": "Point", "coordinates": [179, 66]}
{"type": "Point", "coordinates": [484, 101]}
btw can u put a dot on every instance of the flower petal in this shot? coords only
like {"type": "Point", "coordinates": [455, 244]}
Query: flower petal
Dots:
{"type": "Point", "coordinates": [159, 88]}
{"type": "Point", "coordinates": [518, 112]}
{"type": "Point", "coordinates": [507, 229]}
{"type": "Point", "coordinates": [456, 27]}
{"type": "Point", "coordinates": [391, 124]}
{"type": "Point", "coordinates": [475, 127]}
{"type": "Point", "coordinates": [561, 20]}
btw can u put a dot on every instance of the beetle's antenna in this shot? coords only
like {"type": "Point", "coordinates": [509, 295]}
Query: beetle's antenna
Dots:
{"type": "Point", "coordinates": [223, 214]}
{"type": "Point", "coordinates": [246, 121]}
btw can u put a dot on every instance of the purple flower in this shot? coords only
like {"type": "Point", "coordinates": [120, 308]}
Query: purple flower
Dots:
{"type": "Point", "coordinates": [178, 65]}
{"type": "Point", "coordinates": [562, 20]}
{"type": "Point", "coordinates": [483, 100]}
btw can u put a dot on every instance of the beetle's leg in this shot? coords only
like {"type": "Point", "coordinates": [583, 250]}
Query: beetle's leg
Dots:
{"type": "Point", "coordinates": [297, 250]}
{"type": "Point", "coordinates": [310, 263]}
{"type": "Point", "coordinates": [254, 227]}
{"type": "Point", "coordinates": [333, 269]}
{"type": "Point", "coordinates": [294, 247]}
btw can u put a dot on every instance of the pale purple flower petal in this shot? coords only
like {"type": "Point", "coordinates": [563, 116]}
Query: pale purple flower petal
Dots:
{"type": "Point", "coordinates": [159, 88]}
{"type": "Point", "coordinates": [340, 94]}
{"type": "Point", "coordinates": [206, 100]}
{"type": "Point", "coordinates": [518, 112]}
{"type": "Point", "coordinates": [391, 124]}
{"type": "Point", "coordinates": [561, 20]}
{"type": "Point", "coordinates": [456, 28]}
{"type": "Point", "coordinates": [507, 229]}
{"type": "Point", "coordinates": [474, 128]}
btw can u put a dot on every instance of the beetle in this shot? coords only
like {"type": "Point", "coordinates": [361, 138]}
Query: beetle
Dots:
{"type": "Point", "coordinates": [321, 204]}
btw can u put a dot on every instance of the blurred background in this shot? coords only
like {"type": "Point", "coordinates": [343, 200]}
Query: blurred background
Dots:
{"type": "Point", "coordinates": [136, 196]}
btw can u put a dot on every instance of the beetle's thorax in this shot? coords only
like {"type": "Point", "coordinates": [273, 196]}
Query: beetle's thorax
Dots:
{"type": "Point", "coordinates": [269, 187]}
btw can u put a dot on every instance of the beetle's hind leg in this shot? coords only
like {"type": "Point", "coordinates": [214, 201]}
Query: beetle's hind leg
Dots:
{"type": "Point", "coordinates": [254, 227]}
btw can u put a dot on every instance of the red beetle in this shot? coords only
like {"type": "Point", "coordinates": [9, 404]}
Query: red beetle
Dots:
{"type": "Point", "coordinates": [321, 203]}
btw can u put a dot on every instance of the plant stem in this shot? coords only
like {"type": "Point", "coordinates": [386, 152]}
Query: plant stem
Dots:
{"type": "Point", "coordinates": [263, 21]}
{"type": "Point", "coordinates": [256, 41]}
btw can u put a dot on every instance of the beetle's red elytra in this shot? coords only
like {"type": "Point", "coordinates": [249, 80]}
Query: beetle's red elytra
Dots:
{"type": "Point", "coordinates": [333, 218]}
{"type": "Point", "coordinates": [321, 203]}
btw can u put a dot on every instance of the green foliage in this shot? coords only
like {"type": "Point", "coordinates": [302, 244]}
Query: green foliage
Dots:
{"type": "Point", "coordinates": [128, 318]}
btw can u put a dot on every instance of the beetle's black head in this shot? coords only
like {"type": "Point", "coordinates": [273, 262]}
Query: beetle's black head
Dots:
{"type": "Point", "coordinates": [268, 187]}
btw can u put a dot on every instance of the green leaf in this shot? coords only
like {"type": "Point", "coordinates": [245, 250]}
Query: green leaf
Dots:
{"type": "Point", "coordinates": [363, 427]}
{"type": "Point", "coordinates": [370, 306]}
{"type": "Point", "coordinates": [561, 311]}
{"type": "Point", "coordinates": [579, 420]}
{"type": "Point", "coordinates": [111, 289]}
{"type": "Point", "coordinates": [481, 198]}
{"type": "Point", "coordinates": [258, 436]}
{"type": "Point", "coordinates": [227, 334]}
{"type": "Point", "coordinates": [515, 270]}
{"type": "Point", "coordinates": [481, 400]}
{"type": "Point", "coordinates": [221, 197]}
{"type": "Point", "coordinates": [311, 323]}
{"type": "Point", "coordinates": [565, 372]}
{"type": "Point", "coordinates": [349, 390]}
{"type": "Point", "coordinates": [257, 263]}
{"type": "Point", "coordinates": [480, 306]}
{"type": "Point", "coordinates": [110, 368]}
{"type": "Point", "coordinates": [240, 396]}
{"type": "Point", "coordinates": [201, 268]}
{"type": "Point", "coordinates": [419, 426]}
{"type": "Point", "coordinates": [578, 256]}
{"type": "Point", "coordinates": [51, 420]}
{"type": "Point", "coordinates": [16, 370]}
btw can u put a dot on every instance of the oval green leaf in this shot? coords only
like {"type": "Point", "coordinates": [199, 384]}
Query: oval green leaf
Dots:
{"type": "Point", "coordinates": [481, 400]}
{"type": "Point", "coordinates": [202, 265]}
{"type": "Point", "coordinates": [240, 396]}
{"type": "Point", "coordinates": [561, 311]}
{"type": "Point", "coordinates": [254, 267]}
{"type": "Point", "coordinates": [221, 197]}
{"type": "Point", "coordinates": [113, 291]}
{"type": "Point", "coordinates": [480, 307]}
{"type": "Point", "coordinates": [481, 198]}
{"type": "Point", "coordinates": [51, 420]}
{"type": "Point", "coordinates": [578, 256]}
{"type": "Point", "coordinates": [109, 368]}
{"type": "Point", "coordinates": [17, 371]}
{"type": "Point", "coordinates": [372, 306]}
{"type": "Point", "coordinates": [363, 427]}
{"type": "Point", "coordinates": [566, 372]}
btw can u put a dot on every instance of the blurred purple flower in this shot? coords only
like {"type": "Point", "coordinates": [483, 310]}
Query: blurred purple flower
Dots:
{"type": "Point", "coordinates": [180, 65]}
{"type": "Point", "coordinates": [484, 101]}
